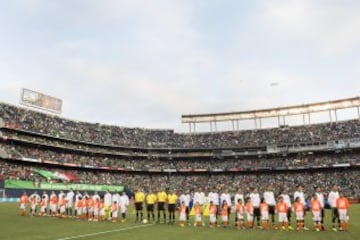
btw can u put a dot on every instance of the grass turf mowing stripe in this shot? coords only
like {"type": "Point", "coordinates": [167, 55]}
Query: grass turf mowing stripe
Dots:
{"type": "Point", "coordinates": [104, 232]}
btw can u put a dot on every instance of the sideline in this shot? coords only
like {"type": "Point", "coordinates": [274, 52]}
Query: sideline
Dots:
{"type": "Point", "coordinates": [104, 232]}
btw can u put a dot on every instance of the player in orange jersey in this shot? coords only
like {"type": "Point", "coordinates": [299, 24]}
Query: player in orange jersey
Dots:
{"type": "Point", "coordinates": [53, 204]}
{"type": "Point", "coordinates": [213, 212]}
{"type": "Point", "coordinates": [225, 213]}
{"type": "Point", "coordinates": [62, 205]}
{"type": "Point", "coordinates": [96, 209]}
{"type": "Point", "coordinates": [78, 207]}
{"type": "Point", "coordinates": [264, 212]}
{"type": "Point", "coordinates": [182, 214]}
{"type": "Point", "coordinates": [101, 210]}
{"type": "Point", "coordinates": [85, 207]}
{"type": "Point", "coordinates": [315, 207]}
{"type": "Point", "coordinates": [282, 210]}
{"type": "Point", "coordinates": [249, 213]}
{"type": "Point", "coordinates": [299, 210]}
{"type": "Point", "coordinates": [90, 208]}
{"type": "Point", "coordinates": [198, 215]}
{"type": "Point", "coordinates": [43, 204]}
{"type": "Point", "coordinates": [342, 205]}
{"type": "Point", "coordinates": [24, 199]}
{"type": "Point", "coordinates": [114, 211]}
{"type": "Point", "coordinates": [240, 210]}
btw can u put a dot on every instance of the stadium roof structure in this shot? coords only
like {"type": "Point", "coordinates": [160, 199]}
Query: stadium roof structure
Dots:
{"type": "Point", "coordinates": [280, 112]}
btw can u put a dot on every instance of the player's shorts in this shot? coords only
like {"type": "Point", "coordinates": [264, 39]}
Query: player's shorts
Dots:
{"type": "Point", "coordinates": [22, 206]}
{"type": "Point", "coordinates": [342, 214]}
{"type": "Point", "coordinates": [224, 218]}
{"type": "Point", "coordinates": [283, 217]}
{"type": "Point", "coordinates": [62, 209]}
{"type": "Point", "coordinates": [316, 216]}
{"type": "Point", "coordinates": [85, 210]}
{"type": "Point", "coordinates": [257, 212]}
{"type": "Point", "coordinates": [198, 217]}
{"type": "Point", "coordinates": [114, 214]}
{"type": "Point", "coordinates": [171, 208]}
{"type": "Point", "coordinates": [91, 209]}
{"type": "Point", "coordinates": [150, 207]}
{"type": "Point", "coordinates": [79, 211]}
{"type": "Point", "coordinates": [299, 216]}
{"type": "Point", "coordinates": [240, 216]}
{"type": "Point", "coordinates": [265, 215]}
{"type": "Point", "coordinates": [102, 212]}
{"type": "Point", "coordinates": [69, 205]}
{"type": "Point", "coordinates": [182, 216]}
{"type": "Point", "coordinates": [138, 206]}
{"type": "Point", "coordinates": [96, 212]}
{"type": "Point", "coordinates": [123, 208]}
{"type": "Point", "coordinates": [335, 212]}
{"type": "Point", "coordinates": [271, 210]}
{"type": "Point", "coordinates": [212, 218]}
{"type": "Point", "coordinates": [42, 209]}
{"type": "Point", "coordinates": [249, 217]}
{"type": "Point", "coordinates": [53, 207]}
{"type": "Point", "coordinates": [161, 206]}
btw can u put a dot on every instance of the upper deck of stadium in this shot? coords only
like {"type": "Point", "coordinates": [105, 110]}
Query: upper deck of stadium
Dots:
{"type": "Point", "coordinates": [22, 119]}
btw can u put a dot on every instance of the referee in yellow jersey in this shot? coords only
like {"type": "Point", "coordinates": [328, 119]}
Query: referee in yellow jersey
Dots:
{"type": "Point", "coordinates": [172, 200]}
{"type": "Point", "coordinates": [161, 200]}
{"type": "Point", "coordinates": [139, 201]}
{"type": "Point", "coordinates": [150, 201]}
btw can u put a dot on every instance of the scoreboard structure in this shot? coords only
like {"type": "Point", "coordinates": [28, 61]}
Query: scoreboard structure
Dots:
{"type": "Point", "coordinates": [41, 101]}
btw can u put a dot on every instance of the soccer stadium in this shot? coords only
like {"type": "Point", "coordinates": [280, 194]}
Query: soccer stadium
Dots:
{"type": "Point", "coordinates": [274, 158]}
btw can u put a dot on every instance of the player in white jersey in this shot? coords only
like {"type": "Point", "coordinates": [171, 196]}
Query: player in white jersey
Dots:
{"type": "Point", "coordinates": [96, 196]}
{"type": "Point", "coordinates": [320, 197]}
{"type": "Point", "coordinates": [255, 201]}
{"type": "Point", "coordinates": [199, 197]}
{"type": "Point", "coordinates": [269, 198]}
{"type": "Point", "coordinates": [107, 199]}
{"type": "Point", "coordinates": [116, 198]}
{"type": "Point", "coordinates": [69, 202]}
{"type": "Point", "coordinates": [332, 197]}
{"type": "Point", "coordinates": [124, 205]}
{"type": "Point", "coordinates": [287, 200]}
{"type": "Point", "coordinates": [185, 198]}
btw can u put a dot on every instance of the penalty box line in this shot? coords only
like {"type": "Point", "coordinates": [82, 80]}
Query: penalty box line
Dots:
{"type": "Point", "coordinates": [104, 232]}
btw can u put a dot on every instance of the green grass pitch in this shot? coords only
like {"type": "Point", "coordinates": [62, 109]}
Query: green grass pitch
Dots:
{"type": "Point", "coordinates": [13, 227]}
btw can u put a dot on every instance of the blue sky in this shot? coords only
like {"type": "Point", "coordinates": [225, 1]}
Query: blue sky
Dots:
{"type": "Point", "coordinates": [144, 63]}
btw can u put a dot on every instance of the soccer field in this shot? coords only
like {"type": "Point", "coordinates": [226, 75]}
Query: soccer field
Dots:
{"type": "Point", "coordinates": [13, 227]}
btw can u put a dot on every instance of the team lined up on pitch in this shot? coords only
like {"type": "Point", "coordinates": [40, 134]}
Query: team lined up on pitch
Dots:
{"type": "Point", "coordinates": [216, 212]}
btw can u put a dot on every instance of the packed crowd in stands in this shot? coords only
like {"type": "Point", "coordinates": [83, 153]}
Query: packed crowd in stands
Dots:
{"type": "Point", "coordinates": [20, 118]}
{"type": "Point", "coordinates": [82, 159]}
{"type": "Point", "coordinates": [347, 179]}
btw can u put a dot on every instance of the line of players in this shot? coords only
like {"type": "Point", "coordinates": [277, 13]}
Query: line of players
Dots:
{"type": "Point", "coordinates": [254, 207]}
{"type": "Point", "coordinates": [87, 207]}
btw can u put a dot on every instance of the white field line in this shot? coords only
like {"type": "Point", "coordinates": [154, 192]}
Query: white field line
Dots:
{"type": "Point", "coordinates": [104, 232]}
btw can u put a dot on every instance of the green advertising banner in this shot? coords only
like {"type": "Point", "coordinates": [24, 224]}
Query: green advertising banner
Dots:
{"type": "Point", "coordinates": [15, 184]}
